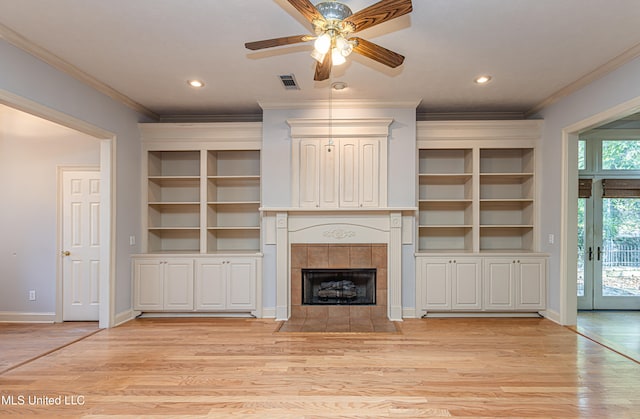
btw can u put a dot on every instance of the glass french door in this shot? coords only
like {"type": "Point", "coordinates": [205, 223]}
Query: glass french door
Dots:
{"type": "Point", "coordinates": [608, 252]}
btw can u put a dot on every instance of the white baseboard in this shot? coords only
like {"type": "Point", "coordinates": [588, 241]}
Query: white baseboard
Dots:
{"type": "Point", "coordinates": [409, 313]}
{"type": "Point", "coordinates": [16, 317]}
{"type": "Point", "coordinates": [552, 315]}
{"type": "Point", "coordinates": [481, 314]}
{"type": "Point", "coordinates": [269, 313]}
{"type": "Point", "coordinates": [124, 317]}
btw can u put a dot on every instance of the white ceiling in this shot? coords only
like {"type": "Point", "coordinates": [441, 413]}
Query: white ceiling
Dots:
{"type": "Point", "coordinates": [147, 49]}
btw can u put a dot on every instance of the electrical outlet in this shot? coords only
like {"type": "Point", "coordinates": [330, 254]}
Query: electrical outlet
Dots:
{"type": "Point", "coordinates": [552, 238]}
{"type": "Point", "coordinates": [32, 295]}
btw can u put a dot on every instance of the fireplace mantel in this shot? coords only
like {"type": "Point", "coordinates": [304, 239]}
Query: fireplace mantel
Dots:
{"type": "Point", "coordinates": [286, 226]}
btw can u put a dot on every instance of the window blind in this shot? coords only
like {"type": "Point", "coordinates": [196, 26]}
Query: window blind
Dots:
{"type": "Point", "coordinates": [621, 188]}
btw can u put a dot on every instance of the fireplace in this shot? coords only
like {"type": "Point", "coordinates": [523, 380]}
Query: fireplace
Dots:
{"type": "Point", "coordinates": [339, 286]}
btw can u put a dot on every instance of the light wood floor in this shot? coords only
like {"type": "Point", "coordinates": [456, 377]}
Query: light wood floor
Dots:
{"type": "Point", "coordinates": [527, 368]}
{"type": "Point", "coordinates": [618, 330]}
{"type": "Point", "coordinates": [21, 342]}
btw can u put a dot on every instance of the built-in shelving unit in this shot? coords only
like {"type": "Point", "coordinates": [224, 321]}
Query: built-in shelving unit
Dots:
{"type": "Point", "coordinates": [477, 247]}
{"type": "Point", "coordinates": [506, 199]}
{"type": "Point", "coordinates": [233, 200]}
{"type": "Point", "coordinates": [201, 248]}
{"type": "Point", "coordinates": [445, 199]}
{"type": "Point", "coordinates": [202, 192]}
{"type": "Point", "coordinates": [173, 201]}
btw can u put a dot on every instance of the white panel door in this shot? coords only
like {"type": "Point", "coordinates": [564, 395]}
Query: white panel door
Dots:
{"type": "Point", "coordinates": [436, 277]}
{"type": "Point", "coordinates": [349, 173]}
{"type": "Point", "coordinates": [148, 284]}
{"type": "Point", "coordinates": [329, 182]}
{"type": "Point", "coordinates": [498, 284]}
{"type": "Point", "coordinates": [369, 173]}
{"type": "Point", "coordinates": [309, 173]}
{"type": "Point", "coordinates": [210, 287]}
{"type": "Point", "coordinates": [241, 289]}
{"type": "Point", "coordinates": [531, 284]}
{"type": "Point", "coordinates": [81, 245]}
{"type": "Point", "coordinates": [178, 284]}
{"type": "Point", "coordinates": [466, 284]}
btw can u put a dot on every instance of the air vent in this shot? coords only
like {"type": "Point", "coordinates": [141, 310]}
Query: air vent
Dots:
{"type": "Point", "coordinates": [289, 82]}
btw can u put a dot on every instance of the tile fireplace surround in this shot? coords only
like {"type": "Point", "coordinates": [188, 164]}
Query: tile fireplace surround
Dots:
{"type": "Point", "coordinates": [341, 239]}
{"type": "Point", "coordinates": [314, 256]}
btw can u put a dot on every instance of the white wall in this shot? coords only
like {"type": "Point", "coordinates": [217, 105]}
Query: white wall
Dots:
{"type": "Point", "coordinates": [27, 77]}
{"type": "Point", "coordinates": [616, 88]}
{"type": "Point", "coordinates": [31, 150]}
{"type": "Point", "coordinates": [276, 176]}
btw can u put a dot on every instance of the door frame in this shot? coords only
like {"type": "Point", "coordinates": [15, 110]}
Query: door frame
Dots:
{"type": "Point", "coordinates": [107, 201]}
{"type": "Point", "coordinates": [569, 204]}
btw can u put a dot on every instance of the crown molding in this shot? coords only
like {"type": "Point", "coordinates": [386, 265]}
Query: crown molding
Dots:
{"type": "Point", "coordinates": [58, 63]}
{"type": "Point", "coordinates": [340, 104]}
{"type": "Point", "coordinates": [587, 79]}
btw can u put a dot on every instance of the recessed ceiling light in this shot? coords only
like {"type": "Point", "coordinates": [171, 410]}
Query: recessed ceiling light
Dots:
{"type": "Point", "coordinates": [195, 83]}
{"type": "Point", "coordinates": [339, 85]}
{"type": "Point", "coordinates": [482, 79]}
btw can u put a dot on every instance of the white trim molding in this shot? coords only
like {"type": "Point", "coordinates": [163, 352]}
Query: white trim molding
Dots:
{"type": "Point", "coordinates": [307, 227]}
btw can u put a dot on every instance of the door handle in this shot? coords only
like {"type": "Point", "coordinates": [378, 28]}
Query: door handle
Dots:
{"type": "Point", "coordinates": [66, 253]}
{"type": "Point", "coordinates": [590, 253]}
{"type": "Point", "coordinates": [599, 253]}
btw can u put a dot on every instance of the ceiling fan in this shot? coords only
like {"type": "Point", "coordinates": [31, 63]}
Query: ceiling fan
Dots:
{"type": "Point", "coordinates": [333, 23]}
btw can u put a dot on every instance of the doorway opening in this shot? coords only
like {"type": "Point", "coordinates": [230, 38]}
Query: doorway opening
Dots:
{"type": "Point", "coordinates": [609, 220]}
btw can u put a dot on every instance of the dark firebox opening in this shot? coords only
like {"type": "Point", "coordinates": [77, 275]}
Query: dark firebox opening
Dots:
{"type": "Point", "coordinates": [339, 286]}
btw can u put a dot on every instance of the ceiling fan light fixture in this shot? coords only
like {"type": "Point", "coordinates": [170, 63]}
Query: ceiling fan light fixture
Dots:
{"type": "Point", "coordinates": [319, 57]}
{"type": "Point", "coordinates": [334, 10]}
{"type": "Point", "coordinates": [343, 45]}
{"type": "Point", "coordinates": [322, 43]}
{"type": "Point", "coordinates": [336, 57]}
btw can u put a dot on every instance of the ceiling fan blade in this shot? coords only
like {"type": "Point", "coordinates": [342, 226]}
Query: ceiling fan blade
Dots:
{"type": "Point", "coordinates": [277, 42]}
{"type": "Point", "coordinates": [377, 53]}
{"type": "Point", "coordinates": [307, 9]}
{"type": "Point", "coordinates": [379, 12]}
{"type": "Point", "coordinates": [323, 70]}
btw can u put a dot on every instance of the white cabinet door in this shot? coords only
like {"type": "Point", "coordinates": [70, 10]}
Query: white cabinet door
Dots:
{"type": "Point", "coordinates": [369, 173]}
{"type": "Point", "coordinates": [329, 181]}
{"type": "Point", "coordinates": [225, 284]}
{"type": "Point", "coordinates": [499, 284]}
{"type": "Point", "coordinates": [531, 284]}
{"type": "Point", "coordinates": [148, 285]}
{"type": "Point", "coordinates": [163, 284]}
{"type": "Point", "coordinates": [435, 277]}
{"type": "Point", "coordinates": [211, 285]}
{"type": "Point", "coordinates": [349, 173]}
{"type": "Point", "coordinates": [309, 173]}
{"type": "Point", "coordinates": [178, 284]}
{"type": "Point", "coordinates": [318, 174]}
{"type": "Point", "coordinates": [241, 284]}
{"type": "Point", "coordinates": [359, 173]}
{"type": "Point", "coordinates": [466, 284]}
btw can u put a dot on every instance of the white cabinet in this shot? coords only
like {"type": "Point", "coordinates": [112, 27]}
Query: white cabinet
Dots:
{"type": "Point", "coordinates": [359, 173]}
{"type": "Point", "coordinates": [516, 283]}
{"type": "Point", "coordinates": [225, 284]}
{"type": "Point", "coordinates": [177, 284]}
{"type": "Point", "coordinates": [163, 284]}
{"type": "Point", "coordinates": [450, 284]}
{"type": "Point", "coordinates": [483, 283]}
{"type": "Point", "coordinates": [318, 174]}
{"type": "Point", "coordinates": [338, 173]}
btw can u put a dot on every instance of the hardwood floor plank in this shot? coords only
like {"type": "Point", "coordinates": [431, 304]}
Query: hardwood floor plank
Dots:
{"type": "Point", "coordinates": [529, 368]}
